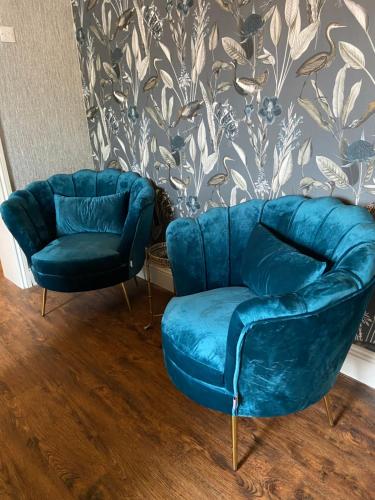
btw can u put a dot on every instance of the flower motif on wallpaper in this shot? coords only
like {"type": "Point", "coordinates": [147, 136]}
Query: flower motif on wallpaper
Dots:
{"type": "Point", "coordinates": [184, 6]}
{"type": "Point", "coordinates": [360, 151]}
{"type": "Point", "coordinates": [252, 25]}
{"type": "Point", "coordinates": [193, 205]}
{"type": "Point", "coordinates": [133, 114]}
{"type": "Point", "coordinates": [177, 143]}
{"type": "Point", "coordinates": [248, 110]}
{"type": "Point", "coordinates": [270, 109]}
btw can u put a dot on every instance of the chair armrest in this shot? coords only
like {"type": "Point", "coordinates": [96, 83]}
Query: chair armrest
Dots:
{"type": "Point", "coordinates": [24, 219]}
{"type": "Point", "coordinates": [137, 227]}
{"type": "Point", "coordinates": [284, 353]}
{"type": "Point", "coordinates": [253, 312]}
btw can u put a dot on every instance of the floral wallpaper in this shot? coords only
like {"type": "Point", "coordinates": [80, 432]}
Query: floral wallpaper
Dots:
{"type": "Point", "coordinates": [220, 101]}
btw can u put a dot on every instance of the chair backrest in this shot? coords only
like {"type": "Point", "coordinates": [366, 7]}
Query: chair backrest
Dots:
{"type": "Point", "coordinates": [343, 235]}
{"type": "Point", "coordinates": [30, 214]}
{"type": "Point", "coordinates": [39, 194]}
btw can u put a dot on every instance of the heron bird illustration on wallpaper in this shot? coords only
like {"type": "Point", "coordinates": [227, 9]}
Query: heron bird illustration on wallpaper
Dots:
{"type": "Point", "coordinates": [223, 101]}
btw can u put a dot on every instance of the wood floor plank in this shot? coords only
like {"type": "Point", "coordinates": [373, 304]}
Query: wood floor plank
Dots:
{"type": "Point", "coordinates": [87, 411]}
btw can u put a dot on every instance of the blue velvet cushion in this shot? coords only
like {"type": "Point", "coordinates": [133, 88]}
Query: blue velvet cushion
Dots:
{"type": "Point", "coordinates": [97, 214]}
{"type": "Point", "coordinates": [199, 344]}
{"type": "Point", "coordinates": [78, 254]}
{"type": "Point", "coordinates": [272, 267]}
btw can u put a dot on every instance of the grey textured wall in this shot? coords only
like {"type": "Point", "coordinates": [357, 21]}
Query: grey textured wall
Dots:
{"type": "Point", "coordinates": [42, 116]}
{"type": "Point", "coordinates": [225, 100]}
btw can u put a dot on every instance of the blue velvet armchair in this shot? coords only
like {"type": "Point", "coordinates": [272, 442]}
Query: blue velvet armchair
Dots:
{"type": "Point", "coordinates": [232, 350]}
{"type": "Point", "coordinates": [82, 260]}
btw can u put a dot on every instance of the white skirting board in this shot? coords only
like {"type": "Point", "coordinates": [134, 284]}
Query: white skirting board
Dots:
{"type": "Point", "coordinates": [160, 276]}
{"type": "Point", "coordinates": [359, 363]}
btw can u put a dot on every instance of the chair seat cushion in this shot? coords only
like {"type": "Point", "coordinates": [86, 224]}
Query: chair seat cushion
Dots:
{"type": "Point", "coordinates": [195, 330]}
{"type": "Point", "coordinates": [82, 253]}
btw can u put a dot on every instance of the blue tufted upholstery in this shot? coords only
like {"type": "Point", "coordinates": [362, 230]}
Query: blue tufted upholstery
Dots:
{"type": "Point", "coordinates": [282, 353]}
{"type": "Point", "coordinates": [83, 261]}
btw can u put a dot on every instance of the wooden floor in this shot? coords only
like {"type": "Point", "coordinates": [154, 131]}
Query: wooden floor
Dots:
{"type": "Point", "coordinates": [87, 411]}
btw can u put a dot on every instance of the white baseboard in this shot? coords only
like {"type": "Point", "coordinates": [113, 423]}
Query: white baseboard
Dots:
{"type": "Point", "coordinates": [13, 261]}
{"type": "Point", "coordinates": [160, 276]}
{"type": "Point", "coordinates": [359, 363]}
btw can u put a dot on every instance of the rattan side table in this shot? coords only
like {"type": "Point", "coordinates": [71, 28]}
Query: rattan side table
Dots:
{"type": "Point", "coordinates": [156, 254]}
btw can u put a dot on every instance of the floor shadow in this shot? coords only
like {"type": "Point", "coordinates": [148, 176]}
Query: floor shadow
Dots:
{"type": "Point", "coordinates": [339, 408]}
{"type": "Point", "coordinates": [58, 306]}
{"type": "Point", "coordinates": [257, 435]}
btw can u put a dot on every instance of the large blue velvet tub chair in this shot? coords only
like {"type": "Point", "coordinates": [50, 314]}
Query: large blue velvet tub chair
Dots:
{"type": "Point", "coordinates": [247, 353]}
{"type": "Point", "coordinates": [82, 231]}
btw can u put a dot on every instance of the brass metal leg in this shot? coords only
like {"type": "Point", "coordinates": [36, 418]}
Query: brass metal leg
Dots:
{"type": "Point", "coordinates": [136, 281]}
{"type": "Point", "coordinates": [126, 296]}
{"type": "Point", "coordinates": [327, 404]}
{"type": "Point", "coordinates": [234, 442]}
{"type": "Point", "coordinates": [44, 300]}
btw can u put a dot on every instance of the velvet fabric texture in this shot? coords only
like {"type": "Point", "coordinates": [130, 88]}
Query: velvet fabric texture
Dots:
{"type": "Point", "coordinates": [272, 267]}
{"type": "Point", "coordinates": [79, 253]}
{"type": "Point", "coordinates": [90, 214]}
{"type": "Point", "coordinates": [80, 262]}
{"type": "Point", "coordinates": [209, 312]}
{"type": "Point", "coordinates": [270, 355]}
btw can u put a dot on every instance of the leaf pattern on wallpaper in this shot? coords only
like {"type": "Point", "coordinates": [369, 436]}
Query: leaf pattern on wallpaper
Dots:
{"type": "Point", "coordinates": [333, 172]}
{"type": "Point", "coordinates": [358, 12]}
{"type": "Point", "coordinates": [305, 153]}
{"type": "Point", "coordinates": [234, 50]}
{"type": "Point", "coordinates": [220, 101]}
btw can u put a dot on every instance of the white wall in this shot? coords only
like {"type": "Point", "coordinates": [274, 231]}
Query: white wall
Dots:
{"type": "Point", "coordinates": [42, 116]}
{"type": "Point", "coordinates": [43, 126]}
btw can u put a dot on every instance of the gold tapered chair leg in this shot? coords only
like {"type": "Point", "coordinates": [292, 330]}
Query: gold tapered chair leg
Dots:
{"type": "Point", "coordinates": [126, 296]}
{"type": "Point", "coordinates": [44, 300]}
{"type": "Point", "coordinates": [136, 281]}
{"type": "Point", "coordinates": [234, 443]}
{"type": "Point", "coordinates": [327, 404]}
